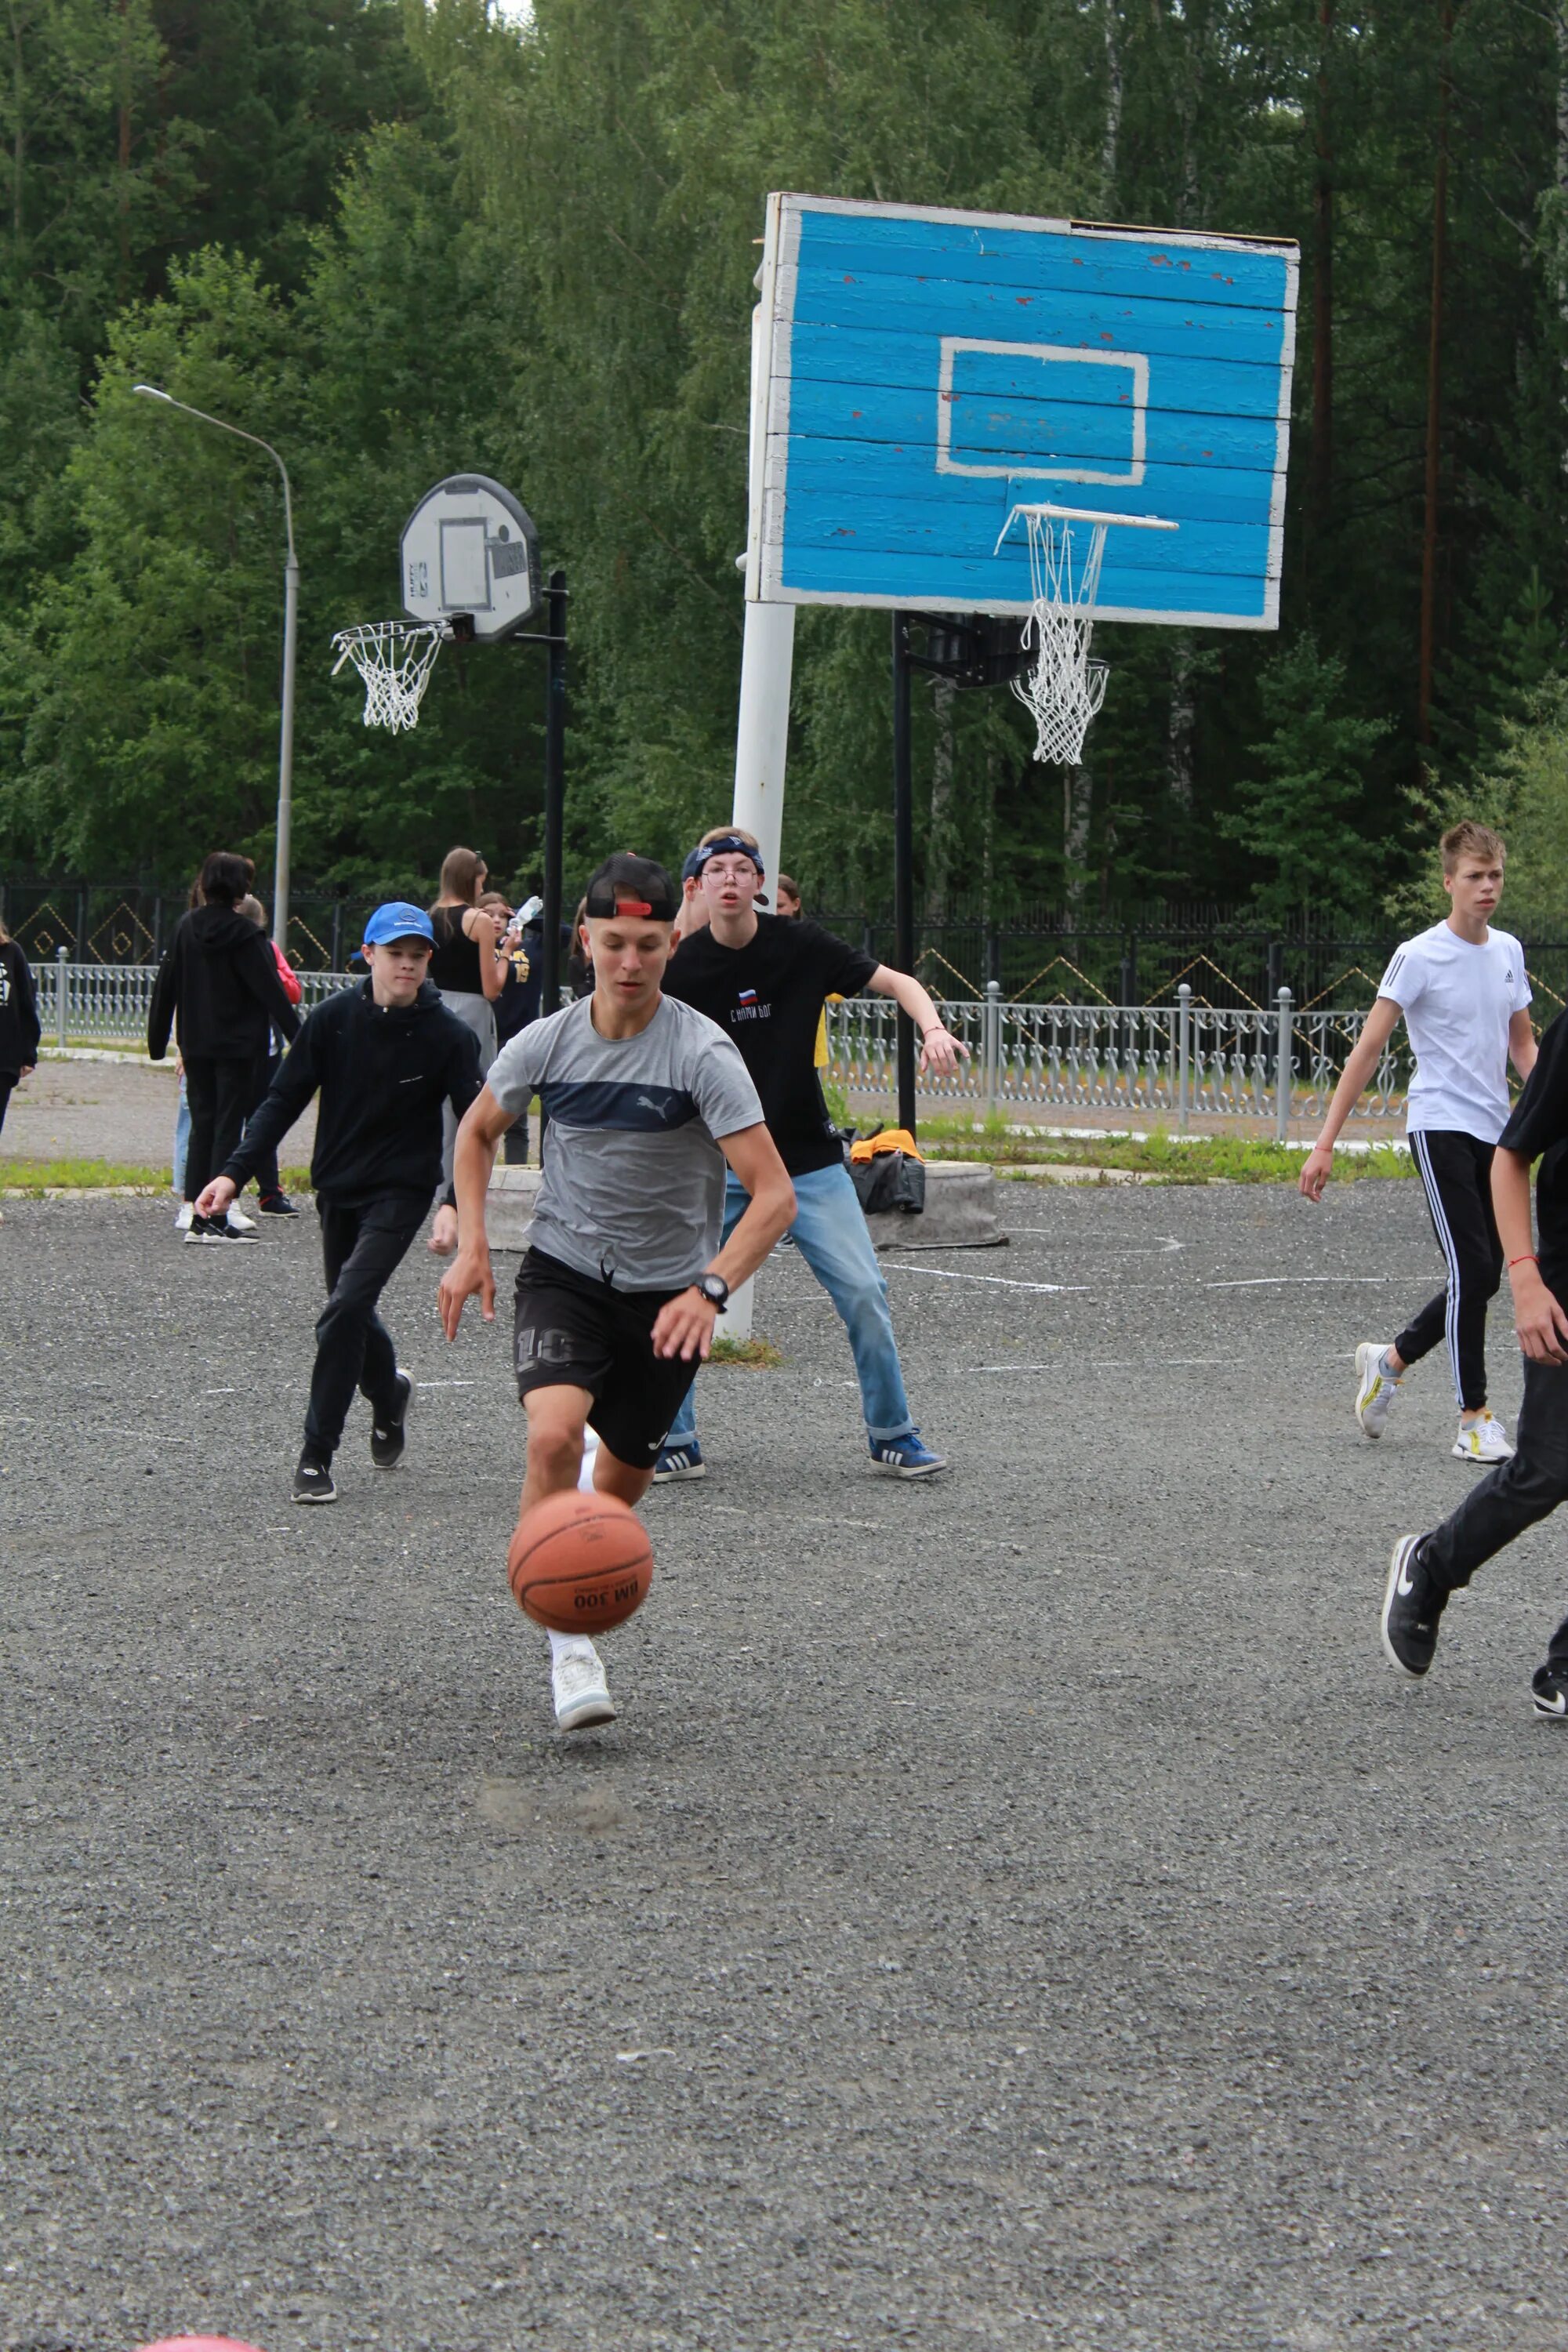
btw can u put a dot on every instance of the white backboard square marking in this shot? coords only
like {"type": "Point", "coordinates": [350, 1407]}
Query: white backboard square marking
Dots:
{"type": "Point", "coordinates": [955, 393]}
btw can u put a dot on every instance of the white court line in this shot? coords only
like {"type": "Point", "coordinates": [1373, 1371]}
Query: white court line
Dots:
{"type": "Point", "coordinates": [1281, 1281]}
{"type": "Point", "coordinates": [1122, 1364]}
{"type": "Point", "coordinates": [445, 1384]}
{"type": "Point", "coordinates": [1000, 1281]}
{"type": "Point", "coordinates": [1162, 1248]}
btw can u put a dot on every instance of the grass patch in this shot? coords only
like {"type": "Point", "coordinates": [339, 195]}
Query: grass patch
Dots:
{"type": "Point", "coordinates": [752, 1355]}
{"type": "Point", "coordinates": [33, 1178]}
{"type": "Point", "coordinates": [1236, 1160]}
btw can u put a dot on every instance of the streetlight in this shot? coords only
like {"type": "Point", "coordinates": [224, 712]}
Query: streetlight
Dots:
{"type": "Point", "coordinates": [290, 623]}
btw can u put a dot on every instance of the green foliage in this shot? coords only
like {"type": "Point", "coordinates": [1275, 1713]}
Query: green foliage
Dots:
{"type": "Point", "coordinates": [1298, 809]}
{"type": "Point", "coordinates": [402, 237]}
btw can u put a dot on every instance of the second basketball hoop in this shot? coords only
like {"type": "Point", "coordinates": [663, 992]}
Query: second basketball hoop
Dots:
{"type": "Point", "coordinates": [1063, 686]}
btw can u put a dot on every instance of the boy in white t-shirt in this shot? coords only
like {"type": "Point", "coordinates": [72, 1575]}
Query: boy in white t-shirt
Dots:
{"type": "Point", "coordinates": [1462, 991]}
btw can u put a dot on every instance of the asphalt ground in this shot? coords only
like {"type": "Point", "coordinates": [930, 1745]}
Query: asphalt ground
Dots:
{"type": "Point", "coordinates": [1019, 1909]}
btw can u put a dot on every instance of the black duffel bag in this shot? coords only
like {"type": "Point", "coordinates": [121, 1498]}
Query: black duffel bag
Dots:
{"type": "Point", "coordinates": [890, 1180]}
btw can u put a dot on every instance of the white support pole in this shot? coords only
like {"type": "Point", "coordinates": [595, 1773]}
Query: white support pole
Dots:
{"type": "Point", "coordinates": [762, 737]}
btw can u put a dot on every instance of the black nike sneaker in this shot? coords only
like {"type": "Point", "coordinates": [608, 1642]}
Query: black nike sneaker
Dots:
{"type": "Point", "coordinates": [314, 1482]}
{"type": "Point", "coordinates": [1412, 1606]}
{"type": "Point", "coordinates": [389, 1437]}
{"type": "Point", "coordinates": [1549, 1689]}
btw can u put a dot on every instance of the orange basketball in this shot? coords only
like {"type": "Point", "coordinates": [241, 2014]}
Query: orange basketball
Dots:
{"type": "Point", "coordinates": [580, 1563]}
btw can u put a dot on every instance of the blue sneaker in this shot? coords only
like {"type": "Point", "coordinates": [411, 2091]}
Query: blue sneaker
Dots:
{"type": "Point", "coordinates": [905, 1458]}
{"type": "Point", "coordinates": [680, 1462]}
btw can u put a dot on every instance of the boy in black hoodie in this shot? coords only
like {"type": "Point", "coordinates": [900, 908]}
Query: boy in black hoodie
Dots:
{"type": "Point", "coordinates": [219, 980]}
{"type": "Point", "coordinates": [387, 1055]}
{"type": "Point", "coordinates": [19, 1030]}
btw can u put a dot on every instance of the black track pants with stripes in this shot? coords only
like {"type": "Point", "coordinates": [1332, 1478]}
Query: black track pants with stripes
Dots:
{"type": "Point", "coordinates": [1455, 1170]}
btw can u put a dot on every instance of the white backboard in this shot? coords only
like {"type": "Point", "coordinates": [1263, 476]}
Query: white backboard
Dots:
{"type": "Point", "coordinates": [469, 546]}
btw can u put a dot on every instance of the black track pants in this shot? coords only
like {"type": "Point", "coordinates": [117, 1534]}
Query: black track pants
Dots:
{"type": "Point", "coordinates": [1456, 1170]}
{"type": "Point", "coordinates": [218, 1090]}
{"type": "Point", "coordinates": [362, 1248]}
{"type": "Point", "coordinates": [1514, 1495]}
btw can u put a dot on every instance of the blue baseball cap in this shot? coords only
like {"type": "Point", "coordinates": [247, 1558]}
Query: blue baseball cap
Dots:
{"type": "Point", "coordinates": [398, 920]}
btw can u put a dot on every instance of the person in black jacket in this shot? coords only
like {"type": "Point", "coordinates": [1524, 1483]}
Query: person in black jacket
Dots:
{"type": "Point", "coordinates": [387, 1057]}
{"type": "Point", "coordinates": [219, 983]}
{"type": "Point", "coordinates": [19, 1030]}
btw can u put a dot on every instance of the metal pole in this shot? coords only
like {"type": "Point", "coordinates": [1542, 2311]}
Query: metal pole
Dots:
{"type": "Point", "coordinates": [1183, 1052]}
{"type": "Point", "coordinates": [284, 852]}
{"type": "Point", "coordinates": [554, 795]}
{"type": "Point", "coordinates": [62, 990]}
{"type": "Point", "coordinates": [285, 826]}
{"type": "Point", "coordinates": [992, 1041]}
{"type": "Point", "coordinates": [903, 863]}
{"type": "Point", "coordinates": [1284, 1069]}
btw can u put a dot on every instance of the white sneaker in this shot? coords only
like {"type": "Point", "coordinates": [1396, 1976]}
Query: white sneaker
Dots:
{"type": "Point", "coordinates": [1483, 1441]}
{"type": "Point", "coordinates": [183, 1221]}
{"type": "Point", "coordinates": [1375, 1389]}
{"type": "Point", "coordinates": [238, 1223]}
{"type": "Point", "coordinates": [581, 1694]}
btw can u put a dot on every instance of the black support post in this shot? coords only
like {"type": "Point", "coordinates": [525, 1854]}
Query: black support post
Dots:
{"type": "Point", "coordinates": [555, 794]}
{"type": "Point", "coordinates": [903, 862]}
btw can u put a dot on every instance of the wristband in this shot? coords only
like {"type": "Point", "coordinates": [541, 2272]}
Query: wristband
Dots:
{"type": "Point", "coordinates": [1525, 1258]}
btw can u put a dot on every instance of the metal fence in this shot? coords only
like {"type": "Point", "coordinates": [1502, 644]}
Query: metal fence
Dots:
{"type": "Point", "coordinates": [1166, 1062]}
{"type": "Point", "coordinates": [108, 1003]}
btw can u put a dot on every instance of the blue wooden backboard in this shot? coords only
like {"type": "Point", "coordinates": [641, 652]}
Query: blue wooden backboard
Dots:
{"type": "Point", "coordinates": [921, 373]}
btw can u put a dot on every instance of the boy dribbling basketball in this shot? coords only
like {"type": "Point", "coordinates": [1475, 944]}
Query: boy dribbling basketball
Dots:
{"type": "Point", "coordinates": [645, 1102]}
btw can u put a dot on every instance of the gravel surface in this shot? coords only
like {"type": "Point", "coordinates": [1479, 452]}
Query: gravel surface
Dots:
{"type": "Point", "coordinates": [1023, 1909]}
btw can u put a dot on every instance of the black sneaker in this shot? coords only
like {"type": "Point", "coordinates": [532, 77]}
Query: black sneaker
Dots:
{"type": "Point", "coordinates": [389, 1437]}
{"type": "Point", "coordinates": [314, 1482]}
{"type": "Point", "coordinates": [1411, 1609]}
{"type": "Point", "coordinates": [276, 1204]}
{"type": "Point", "coordinates": [1549, 1689]}
{"type": "Point", "coordinates": [215, 1232]}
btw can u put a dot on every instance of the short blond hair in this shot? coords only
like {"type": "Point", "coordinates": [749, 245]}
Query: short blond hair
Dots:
{"type": "Point", "coordinates": [1468, 839]}
{"type": "Point", "coordinates": [727, 832]}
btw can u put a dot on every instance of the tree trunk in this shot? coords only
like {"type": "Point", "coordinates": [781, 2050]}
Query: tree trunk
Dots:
{"type": "Point", "coordinates": [939, 835]}
{"type": "Point", "coordinates": [1434, 390]}
{"type": "Point", "coordinates": [1323, 469]}
{"type": "Point", "coordinates": [1077, 800]}
{"type": "Point", "coordinates": [124, 204]}
{"type": "Point", "coordinates": [1181, 719]}
{"type": "Point", "coordinates": [19, 136]}
{"type": "Point", "coordinates": [1111, 141]}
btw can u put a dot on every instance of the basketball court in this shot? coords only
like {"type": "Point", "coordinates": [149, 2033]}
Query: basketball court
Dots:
{"type": "Point", "coordinates": [1019, 1909]}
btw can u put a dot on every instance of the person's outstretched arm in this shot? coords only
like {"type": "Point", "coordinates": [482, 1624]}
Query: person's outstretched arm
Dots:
{"type": "Point", "coordinates": [462, 1088]}
{"type": "Point", "coordinates": [473, 1161]}
{"type": "Point", "coordinates": [1362, 1059]}
{"type": "Point", "coordinates": [939, 1049]}
{"type": "Point", "coordinates": [298, 1075]}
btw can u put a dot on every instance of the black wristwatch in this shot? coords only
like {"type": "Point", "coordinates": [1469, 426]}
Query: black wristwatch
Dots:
{"type": "Point", "coordinates": [715, 1290]}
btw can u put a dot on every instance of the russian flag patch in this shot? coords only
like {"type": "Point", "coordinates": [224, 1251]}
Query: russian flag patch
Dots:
{"type": "Point", "coordinates": [748, 996]}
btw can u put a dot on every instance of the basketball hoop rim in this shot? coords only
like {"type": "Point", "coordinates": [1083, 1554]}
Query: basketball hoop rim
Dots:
{"type": "Point", "coordinates": [1047, 511]}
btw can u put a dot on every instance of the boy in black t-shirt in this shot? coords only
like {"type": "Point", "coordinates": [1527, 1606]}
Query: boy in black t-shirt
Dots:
{"type": "Point", "coordinates": [764, 980]}
{"type": "Point", "coordinates": [1425, 1569]}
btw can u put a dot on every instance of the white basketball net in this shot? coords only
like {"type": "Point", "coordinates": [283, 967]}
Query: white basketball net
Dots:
{"type": "Point", "coordinates": [395, 658]}
{"type": "Point", "coordinates": [1063, 688]}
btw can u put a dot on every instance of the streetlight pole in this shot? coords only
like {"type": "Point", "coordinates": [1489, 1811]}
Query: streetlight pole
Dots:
{"type": "Point", "coordinates": [290, 626]}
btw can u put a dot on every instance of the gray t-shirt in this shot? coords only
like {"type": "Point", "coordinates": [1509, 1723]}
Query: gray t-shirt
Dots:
{"type": "Point", "coordinates": [633, 1188]}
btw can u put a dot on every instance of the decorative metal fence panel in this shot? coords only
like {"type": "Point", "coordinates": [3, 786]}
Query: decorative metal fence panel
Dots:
{"type": "Point", "coordinates": [1168, 1062]}
{"type": "Point", "coordinates": [108, 1003]}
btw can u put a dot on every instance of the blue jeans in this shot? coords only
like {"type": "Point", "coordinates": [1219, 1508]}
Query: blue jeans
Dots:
{"type": "Point", "coordinates": [830, 1233]}
{"type": "Point", "coordinates": [181, 1137]}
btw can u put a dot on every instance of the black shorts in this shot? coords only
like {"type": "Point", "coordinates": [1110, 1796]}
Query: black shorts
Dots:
{"type": "Point", "coordinates": [571, 1331]}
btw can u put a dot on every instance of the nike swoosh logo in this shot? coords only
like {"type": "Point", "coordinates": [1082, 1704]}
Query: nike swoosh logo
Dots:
{"type": "Point", "coordinates": [1558, 1707]}
{"type": "Point", "coordinates": [1402, 1583]}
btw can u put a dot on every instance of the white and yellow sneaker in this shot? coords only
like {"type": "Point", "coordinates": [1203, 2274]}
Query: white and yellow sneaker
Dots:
{"type": "Point", "coordinates": [1375, 1388]}
{"type": "Point", "coordinates": [1485, 1440]}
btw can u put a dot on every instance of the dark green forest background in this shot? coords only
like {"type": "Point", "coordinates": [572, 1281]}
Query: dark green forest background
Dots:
{"type": "Point", "coordinates": [402, 239]}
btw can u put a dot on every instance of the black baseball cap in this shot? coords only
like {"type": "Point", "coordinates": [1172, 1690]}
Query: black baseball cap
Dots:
{"type": "Point", "coordinates": [624, 884]}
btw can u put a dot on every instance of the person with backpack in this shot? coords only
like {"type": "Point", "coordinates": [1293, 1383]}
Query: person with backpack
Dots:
{"type": "Point", "coordinates": [218, 988]}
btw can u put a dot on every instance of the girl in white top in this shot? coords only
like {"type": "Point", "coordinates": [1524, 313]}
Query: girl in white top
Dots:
{"type": "Point", "coordinates": [1461, 990]}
